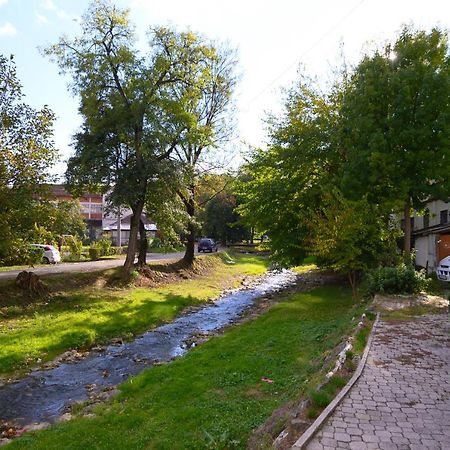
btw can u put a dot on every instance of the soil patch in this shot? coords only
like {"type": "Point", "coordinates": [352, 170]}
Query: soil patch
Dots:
{"type": "Point", "coordinates": [171, 272]}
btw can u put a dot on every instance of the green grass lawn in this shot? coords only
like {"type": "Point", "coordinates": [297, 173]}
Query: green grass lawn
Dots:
{"type": "Point", "coordinates": [77, 317]}
{"type": "Point", "coordinates": [214, 396]}
{"type": "Point", "coordinates": [24, 267]}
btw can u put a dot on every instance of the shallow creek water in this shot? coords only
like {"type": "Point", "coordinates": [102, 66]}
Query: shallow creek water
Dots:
{"type": "Point", "coordinates": [44, 395]}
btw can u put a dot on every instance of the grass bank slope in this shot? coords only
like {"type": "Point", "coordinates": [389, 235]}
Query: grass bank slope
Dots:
{"type": "Point", "coordinates": [219, 392]}
{"type": "Point", "coordinates": [81, 312]}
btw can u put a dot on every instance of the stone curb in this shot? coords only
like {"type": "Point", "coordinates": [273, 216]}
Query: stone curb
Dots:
{"type": "Point", "coordinates": [317, 424]}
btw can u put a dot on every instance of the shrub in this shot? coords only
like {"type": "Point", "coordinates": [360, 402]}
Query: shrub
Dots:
{"type": "Point", "coordinates": [22, 253]}
{"type": "Point", "coordinates": [35, 255]}
{"type": "Point", "coordinates": [105, 247]}
{"type": "Point", "coordinates": [155, 243]}
{"type": "Point", "coordinates": [75, 247]}
{"type": "Point", "coordinates": [94, 252]}
{"type": "Point", "coordinates": [401, 279]}
{"type": "Point", "coordinates": [320, 398]}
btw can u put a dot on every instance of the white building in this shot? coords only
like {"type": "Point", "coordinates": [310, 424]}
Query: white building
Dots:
{"type": "Point", "coordinates": [111, 225]}
{"type": "Point", "coordinates": [431, 234]}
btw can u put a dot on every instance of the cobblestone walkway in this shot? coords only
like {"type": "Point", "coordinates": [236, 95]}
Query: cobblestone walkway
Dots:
{"type": "Point", "coordinates": [402, 399]}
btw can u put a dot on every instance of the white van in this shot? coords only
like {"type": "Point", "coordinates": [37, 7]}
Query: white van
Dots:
{"type": "Point", "coordinates": [51, 254]}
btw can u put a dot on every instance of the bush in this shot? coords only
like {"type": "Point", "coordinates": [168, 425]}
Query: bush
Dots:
{"type": "Point", "coordinates": [35, 255]}
{"type": "Point", "coordinates": [402, 279]}
{"type": "Point", "coordinates": [21, 253]}
{"type": "Point", "coordinates": [75, 247]}
{"type": "Point", "coordinates": [119, 250]}
{"type": "Point", "coordinates": [155, 243]}
{"type": "Point", "coordinates": [94, 252]}
{"type": "Point", "coordinates": [105, 247]}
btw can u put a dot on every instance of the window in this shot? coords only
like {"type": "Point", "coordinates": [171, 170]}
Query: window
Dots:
{"type": "Point", "coordinates": [426, 220]}
{"type": "Point", "coordinates": [96, 207]}
{"type": "Point", "coordinates": [444, 216]}
{"type": "Point", "coordinates": [84, 208]}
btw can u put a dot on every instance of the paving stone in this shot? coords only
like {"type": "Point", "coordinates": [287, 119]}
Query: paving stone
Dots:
{"type": "Point", "coordinates": [402, 399]}
{"type": "Point", "coordinates": [357, 446]}
{"type": "Point", "coordinates": [343, 437]}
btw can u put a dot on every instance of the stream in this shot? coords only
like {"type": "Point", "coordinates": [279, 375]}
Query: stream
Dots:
{"type": "Point", "coordinates": [46, 394]}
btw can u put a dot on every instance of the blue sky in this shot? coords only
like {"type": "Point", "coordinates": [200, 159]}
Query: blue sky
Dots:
{"type": "Point", "coordinates": [272, 39]}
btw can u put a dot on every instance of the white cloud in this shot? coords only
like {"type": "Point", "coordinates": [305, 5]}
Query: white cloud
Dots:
{"type": "Point", "coordinates": [3, 2]}
{"type": "Point", "coordinates": [48, 5]}
{"type": "Point", "coordinates": [62, 14]}
{"type": "Point", "coordinates": [41, 19]}
{"type": "Point", "coordinates": [8, 29]}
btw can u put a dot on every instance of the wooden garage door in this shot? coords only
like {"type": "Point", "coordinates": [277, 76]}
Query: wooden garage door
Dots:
{"type": "Point", "coordinates": [443, 246]}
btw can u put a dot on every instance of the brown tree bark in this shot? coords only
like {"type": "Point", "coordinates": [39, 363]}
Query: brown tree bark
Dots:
{"type": "Point", "coordinates": [143, 244]}
{"type": "Point", "coordinates": [407, 239]}
{"type": "Point", "coordinates": [189, 255]}
{"type": "Point", "coordinates": [132, 243]}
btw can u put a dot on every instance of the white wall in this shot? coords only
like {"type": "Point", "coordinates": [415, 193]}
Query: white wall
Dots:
{"type": "Point", "coordinates": [425, 247]}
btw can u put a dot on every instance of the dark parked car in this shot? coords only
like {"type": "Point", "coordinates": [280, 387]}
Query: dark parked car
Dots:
{"type": "Point", "coordinates": [207, 245]}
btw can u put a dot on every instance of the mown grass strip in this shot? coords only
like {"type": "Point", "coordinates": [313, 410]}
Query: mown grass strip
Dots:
{"type": "Point", "coordinates": [80, 317]}
{"type": "Point", "coordinates": [215, 396]}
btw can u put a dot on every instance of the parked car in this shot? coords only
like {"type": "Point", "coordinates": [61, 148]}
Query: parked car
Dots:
{"type": "Point", "coordinates": [51, 254]}
{"type": "Point", "coordinates": [443, 269]}
{"type": "Point", "coordinates": [207, 245]}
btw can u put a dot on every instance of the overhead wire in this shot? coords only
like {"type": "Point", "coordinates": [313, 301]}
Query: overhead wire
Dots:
{"type": "Point", "coordinates": [309, 49]}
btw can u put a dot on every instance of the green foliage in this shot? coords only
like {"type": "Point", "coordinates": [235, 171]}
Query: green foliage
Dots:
{"type": "Point", "coordinates": [105, 246]}
{"type": "Point", "coordinates": [94, 252]}
{"type": "Point", "coordinates": [75, 247]}
{"type": "Point", "coordinates": [16, 253]}
{"type": "Point", "coordinates": [349, 235]}
{"type": "Point", "coordinates": [320, 398]}
{"type": "Point", "coordinates": [22, 254]}
{"type": "Point", "coordinates": [147, 116]}
{"type": "Point", "coordinates": [402, 279]}
{"type": "Point", "coordinates": [396, 123]}
{"type": "Point", "coordinates": [361, 339]}
{"type": "Point", "coordinates": [41, 235]}
{"type": "Point", "coordinates": [35, 255]}
{"type": "Point", "coordinates": [217, 201]}
{"type": "Point", "coordinates": [156, 243]}
{"type": "Point", "coordinates": [26, 155]}
{"type": "Point", "coordinates": [341, 160]}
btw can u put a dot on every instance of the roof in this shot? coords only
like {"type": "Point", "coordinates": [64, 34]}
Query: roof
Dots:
{"type": "Point", "coordinates": [59, 190]}
{"type": "Point", "coordinates": [435, 229]}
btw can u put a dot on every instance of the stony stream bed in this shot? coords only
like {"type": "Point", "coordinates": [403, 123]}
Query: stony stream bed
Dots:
{"type": "Point", "coordinates": [47, 394]}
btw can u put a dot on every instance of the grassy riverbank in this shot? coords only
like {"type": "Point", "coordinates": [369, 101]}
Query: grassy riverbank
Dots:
{"type": "Point", "coordinates": [83, 309]}
{"type": "Point", "coordinates": [219, 392]}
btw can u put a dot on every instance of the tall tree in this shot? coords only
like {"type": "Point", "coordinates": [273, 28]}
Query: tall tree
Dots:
{"type": "Point", "coordinates": [396, 124]}
{"type": "Point", "coordinates": [131, 120]}
{"type": "Point", "coordinates": [27, 153]}
{"type": "Point", "coordinates": [210, 105]}
{"type": "Point", "coordinates": [284, 184]}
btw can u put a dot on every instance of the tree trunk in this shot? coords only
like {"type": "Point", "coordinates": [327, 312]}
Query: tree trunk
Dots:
{"type": "Point", "coordinates": [407, 240]}
{"type": "Point", "coordinates": [143, 244]}
{"type": "Point", "coordinates": [132, 243]}
{"type": "Point", "coordinates": [189, 256]}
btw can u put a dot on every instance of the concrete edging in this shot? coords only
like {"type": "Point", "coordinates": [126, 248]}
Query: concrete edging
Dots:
{"type": "Point", "coordinates": [317, 424]}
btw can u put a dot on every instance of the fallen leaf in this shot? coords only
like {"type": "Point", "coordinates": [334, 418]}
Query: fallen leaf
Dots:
{"type": "Point", "coordinates": [267, 380]}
